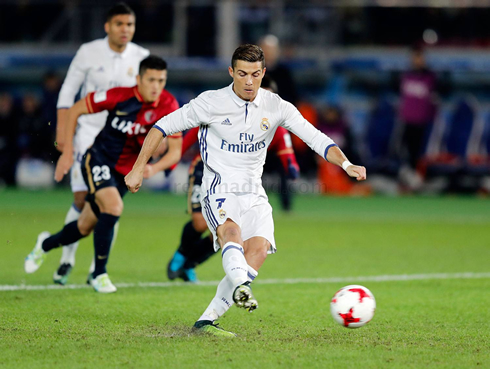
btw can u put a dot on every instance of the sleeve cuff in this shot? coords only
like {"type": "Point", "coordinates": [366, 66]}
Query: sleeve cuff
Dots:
{"type": "Point", "coordinates": [326, 150]}
{"type": "Point", "coordinates": [160, 129]}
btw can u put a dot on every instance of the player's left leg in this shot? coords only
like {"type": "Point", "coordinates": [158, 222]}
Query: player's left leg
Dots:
{"type": "Point", "coordinates": [255, 250]}
{"type": "Point", "coordinates": [258, 233]}
{"type": "Point", "coordinates": [106, 190]}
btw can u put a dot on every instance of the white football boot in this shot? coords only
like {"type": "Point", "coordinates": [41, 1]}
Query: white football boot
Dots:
{"type": "Point", "coordinates": [102, 284]}
{"type": "Point", "coordinates": [36, 257]}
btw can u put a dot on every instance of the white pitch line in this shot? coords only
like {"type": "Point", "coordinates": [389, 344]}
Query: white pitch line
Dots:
{"type": "Point", "coordinates": [375, 278]}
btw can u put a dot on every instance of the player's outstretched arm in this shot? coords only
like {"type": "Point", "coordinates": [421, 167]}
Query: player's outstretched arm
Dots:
{"type": "Point", "coordinates": [336, 156]}
{"type": "Point", "coordinates": [134, 179]}
{"type": "Point", "coordinates": [66, 159]}
{"type": "Point", "coordinates": [171, 157]}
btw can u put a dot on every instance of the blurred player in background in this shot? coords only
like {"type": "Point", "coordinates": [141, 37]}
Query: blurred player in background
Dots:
{"type": "Point", "coordinates": [418, 96]}
{"type": "Point", "coordinates": [132, 111]}
{"type": "Point", "coordinates": [98, 66]}
{"type": "Point", "coordinates": [278, 71]}
{"type": "Point", "coordinates": [236, 125]}
{"type": "Point", "coordinates": [195, 249]}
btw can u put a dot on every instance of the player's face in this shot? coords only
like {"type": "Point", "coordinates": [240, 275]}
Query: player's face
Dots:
{"type": "Point", "coordinates": [247, 78]}
{"type": "Point", "coordinates": [120, 29]}
{"type": "Point", "coordinates": [151, 84]}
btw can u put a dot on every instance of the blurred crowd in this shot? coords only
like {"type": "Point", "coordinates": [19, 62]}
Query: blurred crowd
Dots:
{"type": "Point", "coordinates": [28, 124]}
{"type": "Point", "coordinates": [409, 144]}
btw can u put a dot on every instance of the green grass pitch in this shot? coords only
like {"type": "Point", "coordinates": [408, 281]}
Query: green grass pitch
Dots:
{"type": "Point", "coordinates": [430, 322]}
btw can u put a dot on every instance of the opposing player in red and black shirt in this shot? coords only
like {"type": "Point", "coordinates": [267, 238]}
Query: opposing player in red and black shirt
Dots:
{"type": "Point", "coordinates": [195, 249]}
{"type": "Point", "coordinates": [132, 113]}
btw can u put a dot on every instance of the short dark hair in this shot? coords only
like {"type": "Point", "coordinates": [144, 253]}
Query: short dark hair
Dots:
{"type": "Point", "coordinates": [152, 62]}
{"type": "Point", "coordinates": [119, 8]}
{"type": "Point", "coordinates": [249, 53]}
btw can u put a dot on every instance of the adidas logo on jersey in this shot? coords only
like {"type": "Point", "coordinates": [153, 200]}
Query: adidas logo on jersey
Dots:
{"type": "Point", "coordinates": [226, 122]}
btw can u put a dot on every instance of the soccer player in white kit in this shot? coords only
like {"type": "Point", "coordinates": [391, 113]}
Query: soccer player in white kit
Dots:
{"type": "Point", "coordinates": [237, 123]}
{"type": "Point", "coordinates": [98, 66]}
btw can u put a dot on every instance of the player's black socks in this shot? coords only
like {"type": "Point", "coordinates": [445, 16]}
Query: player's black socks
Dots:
{"type": "Point", "coordinates": [103, 234]}
{"type": "Point", "coordinates": [188, 238]}
{"type": "Point", "coordinates": [66, 236]}
{"type": "Point", "coordinates": [201, 251]}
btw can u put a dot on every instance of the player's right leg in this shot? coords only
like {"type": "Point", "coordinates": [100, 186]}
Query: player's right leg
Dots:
{"type": "Point", "coordinates": [71, 232]}
{"type": "Point", "coordinates": [79, 189]}
{"type": "Point", "coordinates": [67, 261]}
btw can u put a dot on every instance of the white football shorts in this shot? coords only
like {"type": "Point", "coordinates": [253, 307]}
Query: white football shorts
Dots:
{"type": "Point", "coordinates": [252, 212]}
{"type": "Point", "coordinates": [76, 179]}
{"type": "Point", "coordinates": [87, 129]}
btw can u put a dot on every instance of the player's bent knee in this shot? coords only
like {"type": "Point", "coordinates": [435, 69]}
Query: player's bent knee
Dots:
{"type": "Point", "coordinates": [231, 231]}
{"type": "Point", "coordinates": [85, 227]}
{"type": "Point", "coordinates": [115, 210]}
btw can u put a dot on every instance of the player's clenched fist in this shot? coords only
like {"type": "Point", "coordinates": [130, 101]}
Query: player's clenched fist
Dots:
{"type": "Point", "coordinates": [133, 181]}
{"type": "Point", "coordinates": [356, 171]}
{"type": "Point", "coordinates": [63, 166]}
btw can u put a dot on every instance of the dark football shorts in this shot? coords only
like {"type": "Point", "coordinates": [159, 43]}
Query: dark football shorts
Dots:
{"type": "Point", "coordinates": [98, 174]}
{"type": "Point", "coordinates": [195, 181]}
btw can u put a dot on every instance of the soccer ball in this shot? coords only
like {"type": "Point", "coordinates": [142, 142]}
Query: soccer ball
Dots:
{"type": "Point", "coordinates": [353, 306]}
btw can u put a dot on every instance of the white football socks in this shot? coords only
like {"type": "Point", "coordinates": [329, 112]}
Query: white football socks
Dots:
{"type": "Point", "coordinates": [221, 302]}
{"type": "Point", "coordinates": [224, 297]}
{"type": "Point", "coordinates": [69, 251]}
{"type": "Point", "coordinates": [252, 274]}
{"type": "Point", "coordinates": [234, 263]}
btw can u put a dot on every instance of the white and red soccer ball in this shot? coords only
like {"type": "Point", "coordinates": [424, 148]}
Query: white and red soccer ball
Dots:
{"type": "Point", "coordinates": [353, 306]}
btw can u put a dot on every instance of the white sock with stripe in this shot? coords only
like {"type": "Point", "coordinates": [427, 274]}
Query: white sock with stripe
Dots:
{"type": "Point", "coordinates": [234, 263]}
{"type": "Point", "coordinates": [221, 302]}
{"type": "Point", "coordinates": [251, 274]}
{"type": "Point", "coordinates": [69, 251]}
{"type": "Point", "coordinates": [223, 299]}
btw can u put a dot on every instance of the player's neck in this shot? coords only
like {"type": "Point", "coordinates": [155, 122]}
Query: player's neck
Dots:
{"type": "Point", "coordinates": [117, 48]}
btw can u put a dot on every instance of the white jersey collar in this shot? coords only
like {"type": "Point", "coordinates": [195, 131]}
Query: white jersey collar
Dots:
{"type": "Point", "coordinates": [241, 102]}
{"type": "Point", "coordinates": [115, 54]}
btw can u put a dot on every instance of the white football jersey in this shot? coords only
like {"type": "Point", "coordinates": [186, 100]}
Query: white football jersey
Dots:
{"type": "Point", "coordinates": [234, 135]}
{"type": "Point", "coordinates": [96, 67]}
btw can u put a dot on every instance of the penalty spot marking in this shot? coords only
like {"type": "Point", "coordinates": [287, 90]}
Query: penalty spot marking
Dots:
{"type": "Point", "coordinates": [378, 278]}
